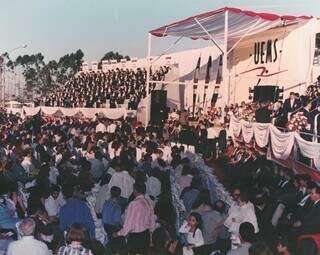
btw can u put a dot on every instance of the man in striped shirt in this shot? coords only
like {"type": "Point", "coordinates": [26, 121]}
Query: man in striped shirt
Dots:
{"type": "Point", "coordinates": [139, 221]}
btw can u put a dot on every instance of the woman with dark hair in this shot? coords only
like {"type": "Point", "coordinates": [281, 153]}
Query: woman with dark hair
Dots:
{"type": "Point", "coordinates": [192, 229]}
{"type": "Point", "coordinates": [212, 220]}
{"type": "Point", "coordinates": [284, 246]}
{"type": "Point", "coordinates": [75, 239]}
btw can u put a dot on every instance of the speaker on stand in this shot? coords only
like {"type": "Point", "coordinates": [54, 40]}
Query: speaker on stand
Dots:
{"type": "Point", "coordinates": [263, 93]}
{"type": "Point", "coordinates": [159, 110]}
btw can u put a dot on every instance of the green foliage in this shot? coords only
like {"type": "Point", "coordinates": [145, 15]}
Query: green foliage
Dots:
{"type": "Point", "coordinates": [68, 66]}
{"type": "Point", "coordinates": [42, 77]}
{"type": "Point", "coordinates": [113, 56]}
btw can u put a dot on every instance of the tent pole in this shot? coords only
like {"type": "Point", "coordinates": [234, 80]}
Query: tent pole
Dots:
{"type": "Point", "coordinates": [148, 80]}
{"type": "Point", "coordinates": [225, 59]}
{"type": "Point", "coordinates": [167, 50]}
{"type": "Point", "coordinates": [248, 31]}
{"type": "Point", "coordinates": [209, 35]}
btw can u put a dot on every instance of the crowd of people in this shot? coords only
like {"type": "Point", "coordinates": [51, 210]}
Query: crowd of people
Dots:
{"type": "Point", "coordinates": [92, 186]}
{"type": "Point", "coordinates": [104, 89]}
{"type": "Point", "coordinates": [98, 186]}
{"type": "Point", "coordinates": [296, 113]}
{"type": "Point", "coordinates": [281, 206]}
{"type": "Point", "coordinates": [78, 186]}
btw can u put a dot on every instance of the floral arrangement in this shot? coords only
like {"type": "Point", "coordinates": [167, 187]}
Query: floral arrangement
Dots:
{"type": "Point", "coordinates": [247, 115]}
{"type": "Point", "coordinates": [298, 122]}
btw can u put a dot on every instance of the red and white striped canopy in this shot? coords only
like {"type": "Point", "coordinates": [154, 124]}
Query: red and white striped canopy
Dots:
{"type": "Point", "coordinates": [240, 22]}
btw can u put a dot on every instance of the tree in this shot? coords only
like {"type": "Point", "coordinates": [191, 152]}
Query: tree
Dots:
{"type": "Point", "coordinates": [42, 77]}
{"type": "Point", "coordinates": [113, 56]}
{"type": "Point", "coordinates": [35, 72]}
{"type": "Point", "coordinates": [68, 66]}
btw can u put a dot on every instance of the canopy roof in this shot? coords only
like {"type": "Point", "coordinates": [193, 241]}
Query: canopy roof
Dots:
{"type": "Point", "coordinates": [240, 23]}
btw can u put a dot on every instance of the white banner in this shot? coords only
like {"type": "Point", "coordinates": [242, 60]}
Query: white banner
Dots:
{"type": "Point", "coordinates": [261, 133]}
{"type": "Point", "coordinates": [281, 143]}
{"type": "Point", "coordinates": [30, 111]}
{"type": "Point", "coordinates": [271, 57]}
{"type": "Point", "coordinates": [309, 149]}
{"type": "Point", "coordinates": [113, 114]}
{"type": "Point", "coordinates": [247, 131]}
{"type": "Point", "coordinates": [235, 127]}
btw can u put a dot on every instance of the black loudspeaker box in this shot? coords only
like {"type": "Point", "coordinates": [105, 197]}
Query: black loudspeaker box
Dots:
{"type": "Point", "coordinates": [159, 112]}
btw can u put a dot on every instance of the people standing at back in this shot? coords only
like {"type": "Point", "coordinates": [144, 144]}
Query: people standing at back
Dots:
{"type": "Point", "coordinates": [75, 211]}
{"type": "Point", "coordinates": [139, 222]}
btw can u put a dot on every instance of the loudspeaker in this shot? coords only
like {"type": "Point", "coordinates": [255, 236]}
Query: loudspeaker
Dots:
{"type": "Point", "coordinates": [159, 111]}
{"type": "Point", "coordinates": [214, 98]}
{"type": "Point", "coordinates": [264, 93]}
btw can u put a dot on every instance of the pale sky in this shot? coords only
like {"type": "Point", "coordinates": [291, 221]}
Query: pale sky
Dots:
{"type": "Point", "coordinates": [57, 27]}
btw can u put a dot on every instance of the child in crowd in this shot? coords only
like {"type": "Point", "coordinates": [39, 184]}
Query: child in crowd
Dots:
{"type": "Point", "coordinates": [192, 229]}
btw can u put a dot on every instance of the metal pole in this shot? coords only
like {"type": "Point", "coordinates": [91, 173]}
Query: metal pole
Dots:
{"type": "Point", "coordinates": [210, 36]}
{"type": "Point", "coordinates": [148, 79]}
{"type": "Point", "coordinates": [225, 59]}
{"type": "Point", "coordinates": [167, 50]}
{"type": "Point", "coordinates": [1, 79]}
{"type": "Point", "coordinates": [4, 82]}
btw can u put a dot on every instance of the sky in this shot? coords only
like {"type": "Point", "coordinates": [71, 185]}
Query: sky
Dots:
{"type": "Point", "coordinates": [58, 27]}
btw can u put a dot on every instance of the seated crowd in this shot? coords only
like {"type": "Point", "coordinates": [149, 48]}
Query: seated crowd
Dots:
{"type": "Point", "coordinates": [283, 207]}
{"type": "Point", "coordinates": [103, 89]}
{"type": "Point", "coordinates": [74, 186]}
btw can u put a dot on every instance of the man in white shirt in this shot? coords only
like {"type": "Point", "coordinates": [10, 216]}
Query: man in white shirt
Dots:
{"type": "Point", "coordinates": [27, 244]}
{"type": "Point", "coordinates": [123, 180]}
{"type": "Point", "coordinates": [212, 136]}
{"type": "Point", "coordinates": [54, 202]}
{"type": "Point", "coordinates": [111, 128]}
{"type": "Point", "coordinates": [27, 161]}
{"type": "Point", "coordinates": [101, 128]}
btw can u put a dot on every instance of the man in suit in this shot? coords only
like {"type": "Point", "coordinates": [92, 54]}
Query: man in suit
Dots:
{"type": "Point", "coordinates": [291, 104]}
{"type": "Point", "coordinates": [263, 114]}
{"type": "Point", "coordinates": [310, 113]}
{"type": "Point", "coordinates": [187, 136]}
{"type": "Point", "coordinates": [264, 211]}
{"type": "Point", "coordinates": [279, 116]}
{"type": "Point", "coordinates": [304, 204]}
{"type": "Point", "coordinates": [310, 223]}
